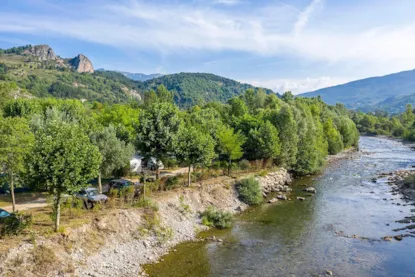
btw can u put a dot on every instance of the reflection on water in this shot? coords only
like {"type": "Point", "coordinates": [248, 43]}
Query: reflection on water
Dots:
{"type": "Point", "coordinates": [299, 238]}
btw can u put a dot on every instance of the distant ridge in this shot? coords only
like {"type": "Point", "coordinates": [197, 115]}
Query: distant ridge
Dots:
{"type": "Point", "coordinates": [135, 76]}
{"type": "Point", "coordinates": [388, 92]}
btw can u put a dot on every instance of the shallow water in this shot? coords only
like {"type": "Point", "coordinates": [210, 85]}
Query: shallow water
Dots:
{"type": "Point", "coordinates": [299, 238]}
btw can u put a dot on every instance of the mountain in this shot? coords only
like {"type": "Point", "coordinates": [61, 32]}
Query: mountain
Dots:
{"type": "Point", "coordinates": [140, 76]}
{"type": "Point", "coordinates": [372, 93]}
{"type": "Point", "coordinates": [39, 72]}
{"type": "Point", "coordinates": [195, 88]}
{"type": "Point", "coordinates": [135, 76]}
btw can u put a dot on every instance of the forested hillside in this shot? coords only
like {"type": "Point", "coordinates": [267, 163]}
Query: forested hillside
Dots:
{"type": "Point", "coordinates": [198, 88]}
{"type": "Point", "coordinates": [391, 92]}
{"type": "Point", "coordinates": [38, 72]}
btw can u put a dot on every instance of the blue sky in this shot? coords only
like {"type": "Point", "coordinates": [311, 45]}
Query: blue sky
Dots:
{"type": "Point", "coordinates": [297, 45]}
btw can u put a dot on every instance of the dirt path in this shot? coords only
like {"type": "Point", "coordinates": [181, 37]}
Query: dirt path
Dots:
{"type": "Point", "coordinates": [37, 203]}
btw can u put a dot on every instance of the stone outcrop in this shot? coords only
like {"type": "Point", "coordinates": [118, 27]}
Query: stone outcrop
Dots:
{"type": "Point", "coordinates": [82, 64]}
{"type": "Point", "coordinates": [44, 52]}
{"type": "Point", "coordinates": [276, 181]}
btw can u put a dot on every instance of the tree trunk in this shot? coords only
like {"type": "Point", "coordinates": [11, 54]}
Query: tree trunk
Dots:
{"type": "Point", "coordinates": [189, 176]}
{"type": "Point", "coordinates": [99, 182]}
{"type": "Point", "coordinates": [12, 191]}
{"type": "Point", "coordinates": [157, 169]}
{"type": "Point", "coordinates": [229, 167]}
{"type": "Point", "coordinates": [58, 212]}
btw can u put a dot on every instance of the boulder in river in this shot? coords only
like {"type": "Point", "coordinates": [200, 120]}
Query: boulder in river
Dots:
{"type": "Point", "coordinates": [273, 200]}
{"type": "Point", "coordinates": [282, 197]}
{"type": "Point", "coordinates": [311, 190]}
{"type": "Point", "coordinates": [300, 198]}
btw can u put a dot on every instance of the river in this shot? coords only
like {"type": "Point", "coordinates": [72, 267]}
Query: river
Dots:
{"type": "Point", "coordinates": [295, 238]}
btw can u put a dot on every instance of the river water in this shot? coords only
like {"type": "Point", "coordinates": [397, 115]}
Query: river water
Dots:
{"type": "Point", "coordinates": [295, 238]}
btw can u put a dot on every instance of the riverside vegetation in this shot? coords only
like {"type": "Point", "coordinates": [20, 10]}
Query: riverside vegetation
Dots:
{"type": "Point", "coordinates": [62, 144]}
{"type": "Point", "coordinates": [381, 123]}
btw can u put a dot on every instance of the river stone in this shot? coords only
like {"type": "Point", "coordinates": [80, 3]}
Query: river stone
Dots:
{"type": "Point", "coordinates": [300, 198]}
{"type": "Point", "coordinates": [311, 190]}
{"type": "Point", "coordinates": [282, 197]}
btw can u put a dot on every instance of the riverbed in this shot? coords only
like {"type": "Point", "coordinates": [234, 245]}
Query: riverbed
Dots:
{"type": "Point", "coordinates": [339, 229]}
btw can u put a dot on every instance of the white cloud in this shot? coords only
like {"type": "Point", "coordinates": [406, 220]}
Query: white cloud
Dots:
{"type": "Point", "coordinates": [304, 16]}
{"type": "Point", "coordinates": [180, 28]}
{"type": "Point", "coordinates": [297, 86]}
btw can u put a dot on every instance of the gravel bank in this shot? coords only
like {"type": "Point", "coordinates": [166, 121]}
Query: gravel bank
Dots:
{"type": "Point", "coordinates": [119, 243]}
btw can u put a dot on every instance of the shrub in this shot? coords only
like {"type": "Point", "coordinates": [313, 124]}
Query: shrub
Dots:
{"type": "Point", "coordinates": [249, 191]}
{"type": "Point", "coordinates": [44, 259]}
{"type": "Point", "coordinates": [244, 165]}
{"type": "Point", "coordinates": [15, 224]}
{"type": "Point", "coordinates": [263, 173]}
{"type": "Point", "coordinates": [409, 181]}
{"type": "Point", "coordinates": [172, 182]}
{"type": "Point", "coordinates": [216, 218]}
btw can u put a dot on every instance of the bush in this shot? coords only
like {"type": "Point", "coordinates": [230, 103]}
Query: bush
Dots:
{"type": "Point", "coordinates": [44, 259]}
{"type": "Point", "coordinates": [216, 218]}
{"type": "Point", "coordinates": [172, 182]}
{"type": "Point", "coordinates": [15, 224]}
{"type": "Point", "coordinates": [249, 191]}
{"type": "Point", "coordinates": [244, 165]}
{"type": "Point", "coordinates": [409, 181]}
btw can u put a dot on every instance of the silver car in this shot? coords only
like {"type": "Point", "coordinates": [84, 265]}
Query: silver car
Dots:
{"type": "Point", "coordinates": [90, 196]}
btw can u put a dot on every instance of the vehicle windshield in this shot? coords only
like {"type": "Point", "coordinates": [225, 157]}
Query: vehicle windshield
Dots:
{"type": "Point", "coordinates": [92, 192]}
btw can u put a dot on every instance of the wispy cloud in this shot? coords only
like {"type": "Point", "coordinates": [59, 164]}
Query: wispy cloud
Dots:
{"type": "Point", "coordinates": [297, 86]}
{"type": "Point", "coordinates": [304, 16]}
{"type": "Point", "coordinates": [182, 28]}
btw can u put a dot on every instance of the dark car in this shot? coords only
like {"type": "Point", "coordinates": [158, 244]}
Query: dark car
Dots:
{"type": "Point", "coordinates": [121, 184]}
{"type": "Point", "coordinates": [90, 196]}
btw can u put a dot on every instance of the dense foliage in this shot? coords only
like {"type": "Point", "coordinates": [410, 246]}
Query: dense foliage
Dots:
{"type": "Point", "coordinates": [197, 88]}
{"type": "Point", "coordinates": [380, 123]}
{"type": "Point", "coordinates": [213, 217]}
{"type": "Point", "coordinates": [250, 191]}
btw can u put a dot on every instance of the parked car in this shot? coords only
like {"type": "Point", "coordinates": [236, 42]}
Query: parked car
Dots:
{"type": "Point", "coordinates": [90, 196]}
{"type": "Point", "coordinates": [4, 214]}
{"type": "Point", "coordinates": [121, 184]}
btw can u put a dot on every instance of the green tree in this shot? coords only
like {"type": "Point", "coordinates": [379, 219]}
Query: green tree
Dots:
{"type": "Point", "coordinates": [163, 95]}
{"type": "Point", "coordinates": [288, 134]}
{"type": "Point", "coordinates": [265, 141]}
{"type": "Point", "coordinates": [115, 152]}
{"type": "Point", "coordinates": [157, 131]}
{"type": "Point", "coordinates": [230, 145]}
{"type": "Point", "coordinates": [334, 139]}
{"type": "Point", "coordinates": [6, 92]}
{"type": "Point", "coordinates": [16, 140]}
{"type": "Point", "coordinates": [238, 107]}
{"type": "Point", "coordinates": [63, 160]}
{"type": "Point", "coordinates": [194, 148]}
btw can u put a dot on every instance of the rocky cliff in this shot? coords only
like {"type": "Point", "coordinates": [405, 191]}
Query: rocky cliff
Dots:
{"type": "Point", "coordinates": [82, 64]}
{"type": "Point", "coordinates": [44, 52]}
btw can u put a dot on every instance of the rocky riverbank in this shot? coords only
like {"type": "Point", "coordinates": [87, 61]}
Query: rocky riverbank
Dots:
{"type": "Point", "coordinates": [118, 243]}
{"type": "Point", "coordinates": [402, 182]}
